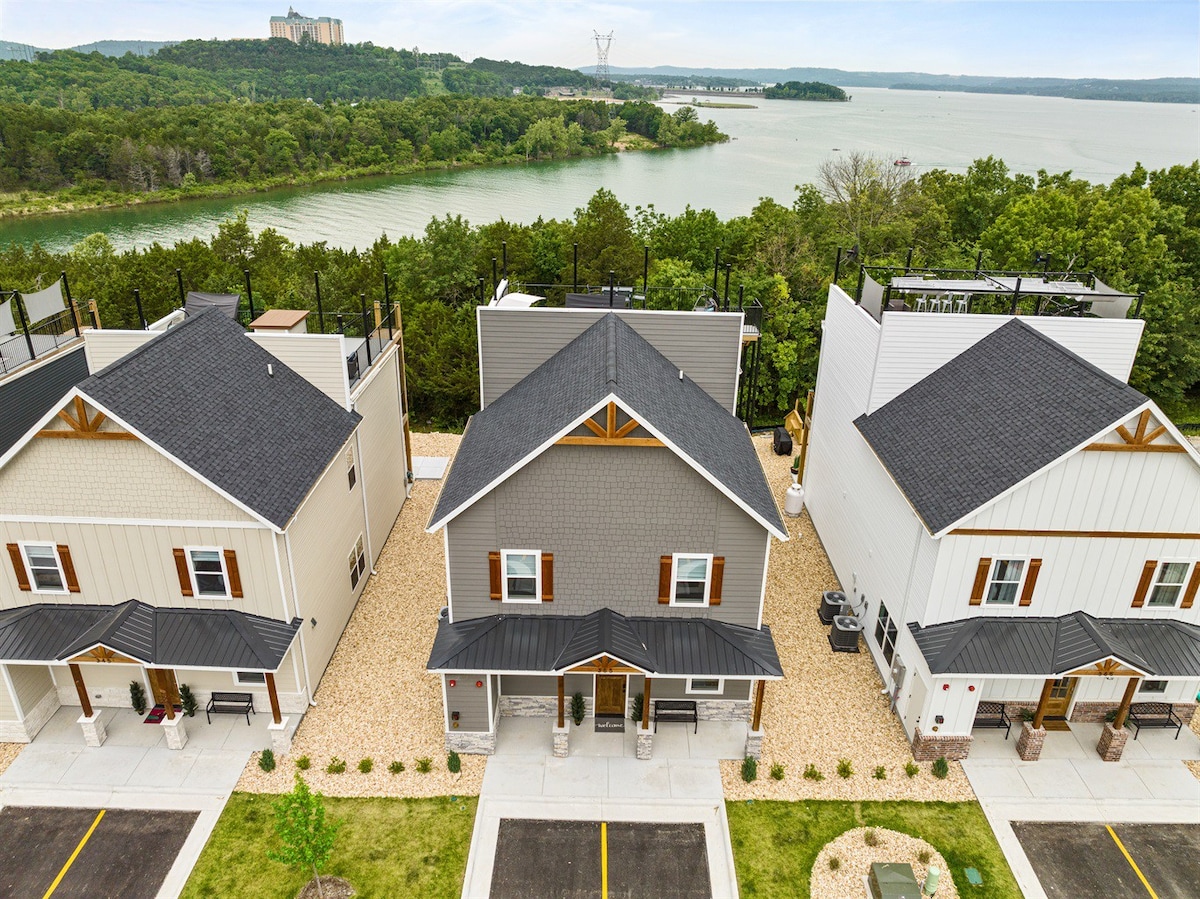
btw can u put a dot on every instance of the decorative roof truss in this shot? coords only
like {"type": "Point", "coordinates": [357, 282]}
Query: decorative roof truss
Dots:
{"type": "Point", "coordinates": [608, 433]}
{"type": "Point", "coordinates": [81, 426]}
{"type": "Point", "coordinates": [1140, 440]}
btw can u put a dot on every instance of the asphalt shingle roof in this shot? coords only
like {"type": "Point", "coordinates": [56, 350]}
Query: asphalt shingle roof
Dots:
{"type": "Point", "coordinates": [992, 416]}
{"type": "Point", "coordinates": [199, 638]}
{"type": "Point", "coordinates": [202, 392]}
{"type": "Point", "coordinates": [1043, 647]}
{"type": "Point", "coordinates": [549, 643]}
{"type": "Point", "coordinates": [608, 358]}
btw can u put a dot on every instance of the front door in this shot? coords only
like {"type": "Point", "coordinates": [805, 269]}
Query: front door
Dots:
{"type": "Point", "coordinates": [610, 694]}
{"type": "Point", "coordinates": [1059, 699]}
{"type": "Point", "coordinates": [162, 683]}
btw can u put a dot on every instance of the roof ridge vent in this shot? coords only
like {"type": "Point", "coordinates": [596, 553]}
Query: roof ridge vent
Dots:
{"type": "Point", "coordinates": [612, 349]}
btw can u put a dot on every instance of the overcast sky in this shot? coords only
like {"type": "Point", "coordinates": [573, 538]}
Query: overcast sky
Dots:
{"type": "Point", "coordinates": [1085, 38]}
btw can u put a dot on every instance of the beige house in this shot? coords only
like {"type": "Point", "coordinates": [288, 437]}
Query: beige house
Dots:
{"type": "Point", "coordinates": [204, 508]}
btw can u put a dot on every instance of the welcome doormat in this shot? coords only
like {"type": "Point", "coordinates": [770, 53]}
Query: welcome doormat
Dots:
{"type": "Point", "coordinates": [610, 724]}
{"type": "Point", "coordinates": [159, 712]}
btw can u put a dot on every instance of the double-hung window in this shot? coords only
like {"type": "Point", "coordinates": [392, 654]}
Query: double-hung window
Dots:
{"type": "Point", "coordinates": [45, 567]}
{"type": "Point", "coordinates": [1005, 582]}
{"type": "Point", "coordinates": [522, 575]}
{"type": "Point", "coordinates": [885, 632]}
{"type": "Point", "coordinates": [690, 579]}
{"type": "Point", "coordinates": [358, 562]}
{"type": "Point", "coordinates": [351, 471]}
{"type": "Point", "coordinates": [1168, 584]}
{"type": "Point", "coordinates": [207, 566]}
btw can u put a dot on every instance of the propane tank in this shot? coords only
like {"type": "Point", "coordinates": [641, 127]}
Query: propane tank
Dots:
{"type": "Point", "coordinates": [793, 501]}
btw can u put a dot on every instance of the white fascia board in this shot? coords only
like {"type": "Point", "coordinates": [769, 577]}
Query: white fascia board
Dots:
{"type": "Point", "coordinates": [1148, 405]}
{"type": "Point", "coordinates": [600, 656]}
{"type": "Point", "coordinates": [479, 352]}
{"type": "Point", "coordinates": [649, 674]}
{"type": "Point", "coordinates": [1100, 661]}
{"type": "Point", "coordinates": [97, 645]}
{"type": "Point", "coordinates": [517, 466]}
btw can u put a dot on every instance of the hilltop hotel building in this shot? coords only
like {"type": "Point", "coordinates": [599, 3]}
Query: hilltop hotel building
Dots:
{"type": "Point", "coordinates": [323, 30]}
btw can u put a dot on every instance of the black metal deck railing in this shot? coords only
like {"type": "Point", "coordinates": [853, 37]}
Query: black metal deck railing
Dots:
{"type": "Point", "coordinates": [32, 341]}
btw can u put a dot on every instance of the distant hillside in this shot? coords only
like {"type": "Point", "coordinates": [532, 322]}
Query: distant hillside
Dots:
{"type": "Point", "coordinates": [1158, 90]}
{"type": "Point", "coordinates": [10, 50]}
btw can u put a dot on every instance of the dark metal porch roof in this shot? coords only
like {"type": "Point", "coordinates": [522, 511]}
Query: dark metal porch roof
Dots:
{"type": "Point", "coordinates": [1045, 647]}
{"type": "Point", "coordinates": [547, 644]}
{"type": "Point", "coordinates": [166, 637]}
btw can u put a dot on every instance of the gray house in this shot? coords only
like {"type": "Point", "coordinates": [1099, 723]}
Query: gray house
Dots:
{"type": "Point", "coordinates": [607, 527]}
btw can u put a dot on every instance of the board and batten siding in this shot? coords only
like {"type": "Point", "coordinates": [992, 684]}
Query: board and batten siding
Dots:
{"type": "Point", "coordinates": [607, 514]}
{"type": "Point", "coordinates": [469, 701]}
{"type": "Point", "coordinates": [124, 479]}
{"type": "Point", "coordinates": [913, 345]}
{"type": "Point", "coordinates": [116, 562]}
{"type": "Point", "coordinates": [382, 466]}
{"type": "Point", "coordinates": [318, 358]}
{"type": "Point", "coordinates": [8, 706]}
{"type": "Point", "coordinates": [321, 536]}
{"type": "Point", "coordinates": [875, 542]}
{"type": "Point", "coordinates": [31, 682]}
{"type": "Point", "coordinates": [705, 345]}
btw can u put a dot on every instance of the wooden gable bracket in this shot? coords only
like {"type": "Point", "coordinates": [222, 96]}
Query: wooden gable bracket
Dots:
{"type": "Point", "coordinates": [609, 434]}
{"type": "Point", "coordinates": [103, 654]}
{"type": "Point", "coordinates": [1108, 668]}
{"type": "Point", "coordinates": [80, 427]}
{"type": "Point", "coordinates": [1140, 441]}
{"type": "Point", "coordinates": [604, 665]}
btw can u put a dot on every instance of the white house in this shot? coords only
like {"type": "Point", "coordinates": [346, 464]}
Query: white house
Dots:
{"type": "Point", "coordinates": [1015, 522]}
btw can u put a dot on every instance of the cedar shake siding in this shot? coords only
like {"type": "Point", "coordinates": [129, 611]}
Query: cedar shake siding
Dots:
{"type": "Point", "coordinates": [607, 514]}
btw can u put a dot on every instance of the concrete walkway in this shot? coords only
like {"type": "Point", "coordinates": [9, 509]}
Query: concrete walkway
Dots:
{"type": "Point", "coordinates": [1070, 783]}
{"type": "Point", "coordinates": [601, 781]}
{"type": "Point", "coordinates": [134, 769]}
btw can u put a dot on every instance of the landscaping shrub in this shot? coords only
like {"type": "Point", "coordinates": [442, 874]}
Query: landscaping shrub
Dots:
{"type": "Point", "coordinates": [137, 697]}
{"type": "Point", "coordinates": [750, 769]}
{"type": "Point", "coordinates": [578, 709]}
{"type": "Point", "coordinates": [1026, 714]}
{"type": "Point", "coordinates": [811, 773]}
{"type": "Point", "coordinates": [777, 771]}
{"type": "Point", "coordinates": [424, 765]}
{"type": "Point", "coordinates": [395, 767]}
{"type": "Point", "coordinates": [335, 766]}
{"type": "Point", "coordinates": [941, 768]}
{"type": "Point", "coordinates": [303, 763]}
{"type": "Point", "coordinates": [911, 769]}
{"type": "Point", "coordinates": [870, 837]}
{"type": "Point", "coordinates": [453, 762]}
{"type": "Point", "coordinates": [188, 700]}
{"type": "Point", "coordinates": [639, 706]}
{"type": "Point", "coordinates": [880, 773]}
{"type": "Point", "coordinates": [923, 856]}
{"type": "Point", "coordinates": [266, 761]}
{"type": "Point", "coordinates": [845, 769]}
{"type": "Point", "coordinates": [365, 765]}
{"type": "Point", "coordinates": [834, 863]}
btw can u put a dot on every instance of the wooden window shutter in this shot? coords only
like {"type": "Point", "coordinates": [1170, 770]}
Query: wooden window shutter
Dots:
{"type": "Point", "coordinates": [1189, 595]}
{"type": "Point", "coordinates": [494, 576]}
{"type": "Point", "coordinates": [981, 579]}
{"type": "Point", "coordinates": [547, 577]}
{"type": "Point", "coordinates": [235, 576]}
{"type": "Point", "coordinates": [1035, 565]}
{"type": "Point", "coordinates": [18, 564]}
{"type": "Point", "coordinates": [664, 579]}
{"type": "Point", "coordinates": [181, 568]}
{"type": "Point", "coordinates": [64, 556]}
{"type": "Point", "coordinates": [1143, 587]}
{"type": "Point", "coordinates": [718, 578]}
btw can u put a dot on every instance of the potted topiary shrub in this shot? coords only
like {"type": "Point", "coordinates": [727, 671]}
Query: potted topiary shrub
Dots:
{"type": "Point", "coordinates": [796, 470]}
{"type": "Point", "coordinates": [639, 705]}
{"type": "Point", "coordinates": [187, 700]}
{"type": "Point", "coordinates": [137, 697]}
{"type": "Point", "coordinates": [578, 709]}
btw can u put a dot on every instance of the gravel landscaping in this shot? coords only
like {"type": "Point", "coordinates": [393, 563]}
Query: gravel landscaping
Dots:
{"type": "Point", "coordinates": [855, 858]}
{"type": "Point", "coordinates": [8, 752]}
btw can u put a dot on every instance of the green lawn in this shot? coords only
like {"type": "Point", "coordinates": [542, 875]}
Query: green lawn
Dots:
{"type": "Point", "coordinates": [387, 848]}
{"type": "Point", "coordinates": [776, 843]}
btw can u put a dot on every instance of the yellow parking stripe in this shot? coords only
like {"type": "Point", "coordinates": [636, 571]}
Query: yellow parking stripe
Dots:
{"type": "Point", "coordinates": [1129, 858]}
{"type": "Point", "coordinates": [604, 861]}
{"type": "Point", "coordinates": [63, 873]}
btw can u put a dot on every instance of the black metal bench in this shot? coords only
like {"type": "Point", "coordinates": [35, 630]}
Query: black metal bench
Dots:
{"type": "Point", "coordinates": [1154, 714]}
{"type": "Point", "coordinates": [676, 710]}
{"type": "Point", "coordinates": [231, 703]}
{"type": "Point", "coordinates": [992, 714]}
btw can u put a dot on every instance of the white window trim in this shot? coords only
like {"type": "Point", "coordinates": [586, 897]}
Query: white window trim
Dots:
{"type": "Point", "coordinates": [351, 469]}
{"type": "Point", "coordinates": [1187, 574]}
{"type": "Point", "coordinates": [675, 559]}
{"type": "Point", "coordinates": [692, 691]}
{"type": "Point", "coordinates": [238, 682]}
{"type": "Point", "coordinates": [355, 555]}
{"type": "Point", "coordinates": [62, 575]}
{"type": "Point", "coordinates": [1156, 692]}
{"type": "Point", "coordinates": [537, 575]}
{"type": "Point", "coordinates": [220, 551]}
{"type": "Point", "coordinates": [987, 588]}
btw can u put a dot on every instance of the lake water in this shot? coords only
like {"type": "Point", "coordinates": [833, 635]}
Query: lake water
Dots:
{"type": "Point", "coordinates": [776, 146]}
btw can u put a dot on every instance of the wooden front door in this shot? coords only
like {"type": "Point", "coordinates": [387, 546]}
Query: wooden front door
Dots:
{"type": "Point", "coordinates": [610, 694]}
{"type": "Point", "coordinates": [1059, 699]}
{"type": "Point", "coordinates": [164, 687]}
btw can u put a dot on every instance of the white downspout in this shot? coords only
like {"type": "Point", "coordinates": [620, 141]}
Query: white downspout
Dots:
{"type": "Point", "coordinates": [283, 596]}
{"type": "Point", "coordinates": [287, 540]}
{"type": "Point", "coordinates": [362, 489]}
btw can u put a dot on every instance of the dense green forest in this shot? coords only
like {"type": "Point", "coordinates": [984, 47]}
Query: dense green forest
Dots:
{"type": "Point", "coordinates": [1140, 233]}
{"type": "Point", "coordinates": [806, 90]}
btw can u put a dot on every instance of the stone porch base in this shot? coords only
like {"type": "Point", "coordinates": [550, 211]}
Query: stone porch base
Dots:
{"type": "Point", "coordinates": [469, 743]}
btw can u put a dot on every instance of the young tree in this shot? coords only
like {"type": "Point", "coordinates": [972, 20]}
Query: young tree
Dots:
{"type": "Point", "coordinates": [306, 836]}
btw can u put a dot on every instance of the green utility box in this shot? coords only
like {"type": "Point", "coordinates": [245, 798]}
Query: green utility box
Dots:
{"type": "Point", "coordinates": [891, 880]}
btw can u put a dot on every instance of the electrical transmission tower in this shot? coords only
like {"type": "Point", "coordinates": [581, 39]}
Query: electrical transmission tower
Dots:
{"type": "Point", "coordinates": [603, 42]}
